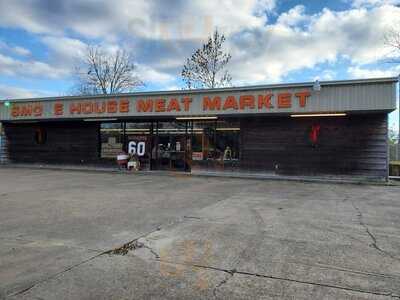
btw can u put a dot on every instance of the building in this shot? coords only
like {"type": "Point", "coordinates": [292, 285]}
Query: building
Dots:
{"type": "Point", "coordinates": [330, 128]}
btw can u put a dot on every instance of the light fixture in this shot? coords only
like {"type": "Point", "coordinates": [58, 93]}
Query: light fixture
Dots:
{"type": "Point", "coordinates": [97, 120]}
{"type": "Point", "coordinates": [197, 118]}
{"type": "Point", "coordinates": [7, 103]}
{"type": "Point", "coordinates": [317, 86]}
{"type": "Point", "coordinates": [228, 129]}
{"type": "Point", "coordinates": [319, 115]}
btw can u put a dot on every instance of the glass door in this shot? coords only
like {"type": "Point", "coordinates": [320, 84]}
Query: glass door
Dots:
{"type": "Point", "coordinates": [171, 146]}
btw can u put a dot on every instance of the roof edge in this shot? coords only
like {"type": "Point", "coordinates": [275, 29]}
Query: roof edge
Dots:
{"type": "Point", "coordinates": [202, 91]}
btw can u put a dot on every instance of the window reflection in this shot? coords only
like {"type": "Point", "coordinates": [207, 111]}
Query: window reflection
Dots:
{"type": "Point", "coordinates": [138, 142]}
{"type": "Point", "coordinates": [169, 152]}
{"type": "Point", "coordinates": [111, 136]}
{"type": "Point", "coordinates": [212, 145]}
{"type": "Point", "coordinates": [216, 145]}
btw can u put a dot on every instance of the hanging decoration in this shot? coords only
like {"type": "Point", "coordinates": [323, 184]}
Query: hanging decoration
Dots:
{"type": "Point", "coordinates": [40, 136]}
{"type": "Point", "coordinates": [314, 134]}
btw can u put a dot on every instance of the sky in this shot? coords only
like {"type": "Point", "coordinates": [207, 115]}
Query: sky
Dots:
{"type": "Point", "coordinates": [271, 41]}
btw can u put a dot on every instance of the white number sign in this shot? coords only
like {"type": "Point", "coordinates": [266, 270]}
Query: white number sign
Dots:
{"type": "Point", "coordinates": [138, 148]}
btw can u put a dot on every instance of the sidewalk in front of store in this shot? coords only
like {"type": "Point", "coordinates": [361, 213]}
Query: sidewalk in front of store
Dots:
{"type": "Point", "coordinates": [230, 174]}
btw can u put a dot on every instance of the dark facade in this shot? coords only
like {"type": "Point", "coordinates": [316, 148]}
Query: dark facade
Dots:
{"type": "Point", "coordinates": [338, 130]}
{"type": "Point", "coordinates": [52, 142]}
{"type": "Point", "coordinates": [353, 145]}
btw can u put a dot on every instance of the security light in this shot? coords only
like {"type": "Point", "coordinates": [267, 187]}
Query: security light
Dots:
{"type": "Point", "coordinates": [316, 86]}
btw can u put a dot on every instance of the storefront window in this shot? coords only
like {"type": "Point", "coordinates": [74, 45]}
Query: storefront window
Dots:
{"type": "Point", "coordinates": [170, 151]}
{"type": "Point", "coordinates": [212, 145]}
{"type": "Point", "coordinates": [112, 138]}
{"type": "Point", "coordinates": [216, 145]}
{"type": "Point", "coordinates": [139, 142]}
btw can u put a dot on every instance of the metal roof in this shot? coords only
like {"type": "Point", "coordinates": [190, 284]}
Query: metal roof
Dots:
{"type": "Point", "coordinates": [216, 90]}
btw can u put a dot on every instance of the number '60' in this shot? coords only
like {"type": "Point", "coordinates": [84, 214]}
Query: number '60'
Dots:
{"type": "Point", "coordinates": [137, 148]}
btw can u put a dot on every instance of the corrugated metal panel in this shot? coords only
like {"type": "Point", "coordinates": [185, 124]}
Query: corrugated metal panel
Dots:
{"type": "Point", "coordinates": [351, 96]}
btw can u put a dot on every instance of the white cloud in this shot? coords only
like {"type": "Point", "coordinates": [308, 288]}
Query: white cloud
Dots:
{"type": "Point", "coordinates": [195, 20]}
{"type": "Point", "coordinates": [66, 53]}
{"type": "Point", "coordinates": [21, 51]}
{"type": "Point", "coordinates": [172, 88]}
{"type": "Point", "coordinates": [373, 3]}
{"type": "Point", "coordinates": [148, 74]}
{"type": "Point", "coordinates": [65, 48]}
{"type": "Point", "coordinates": [294, 16]}
{"type": "Point", "coordinates": [4, 47]}
{"type": "Point", "coordinates": [154, 19]}
{"type": "Point", "coordinates": [326, 75]}
{"type": "Point", "coordinates": [13, 67]}
{"type": "Point", "coordinates": [363, 72]}
{"type": "Point", "coordinates": [166, 32]}
{"type": "Point", "coordinates": [270, 52]}
{"type": "Point", "coordinates": [13, 92]}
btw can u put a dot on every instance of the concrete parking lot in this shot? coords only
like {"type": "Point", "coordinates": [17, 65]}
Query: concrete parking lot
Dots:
{"type": "Point", "coordinates": [94, 235]}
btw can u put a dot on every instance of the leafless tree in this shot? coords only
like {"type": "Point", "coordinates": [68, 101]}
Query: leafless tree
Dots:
{"type": "Point", "coordinates": [392, 40]}
{"type": "Point", "coordinates": [206, 68]}
{"type": "Point", "coordinates": [101, 72]}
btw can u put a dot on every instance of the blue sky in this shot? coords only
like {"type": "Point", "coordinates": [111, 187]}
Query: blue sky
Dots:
{"type": "Point", "coordinates": [270, 40]}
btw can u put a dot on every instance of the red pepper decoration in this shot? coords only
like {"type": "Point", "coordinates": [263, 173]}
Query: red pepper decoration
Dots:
{"type": "Point", "coordinates": [314, 134]}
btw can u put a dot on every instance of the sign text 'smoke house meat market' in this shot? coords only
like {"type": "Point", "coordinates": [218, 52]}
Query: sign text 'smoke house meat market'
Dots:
{"type": "Point", "coordinates": [259, 102]}
{"type": "Point", "coordinates": [336, 128]}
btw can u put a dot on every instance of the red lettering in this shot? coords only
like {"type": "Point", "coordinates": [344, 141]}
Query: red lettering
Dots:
{"type": "Point", "coordinates": [230, 103]}
{"type": "Point", "coordinates": [173, 105]}
{"type": "Point", "coordinates": [112, 106]}
{"type": "Point", "coordinates": [302, 96]}
{"type": "Point", "coordinates": [214, 104]}
{"type": "Point", "coordinates": [26, 110]}
{"type": "Point", "coordinates": [37, 110]}
{"type": "Point", "coordinates": [87, 107]}
{"type": "Point", "coordinates": [284, 100]}
{"type": "Point", "coordinates": [58, 109]}
{"type": "Point", "coordinates": [186, 103]}
{"type": "Point", "coordinates": [144, 105]}
{"type": "Point", "coordinates": [124, 106]}
{"type": "Point", "coordinates": [159, 105]}
{"type": "Point", "coordinates": [247, 101]}
{"type": "Point", "coordinates": [15, 111]}
{"type": "Point", "coordinates": [75, 108]}
{"type": "Point", "coordinates": [99, 108]}
{"type": "Point", "coordinates": [265, 100]}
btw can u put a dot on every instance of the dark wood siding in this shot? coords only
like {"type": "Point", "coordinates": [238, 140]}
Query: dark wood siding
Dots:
{"type": "Point", "coordinates": [3, 147]}
{"type": "Point", "coordinates": [65, 142]}
{"type": "Point", "coordinates": [353, 145]}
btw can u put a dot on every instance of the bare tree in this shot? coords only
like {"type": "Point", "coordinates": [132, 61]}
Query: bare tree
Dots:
{"type": "Point", "coordinates": [206, 67]}
{"type": "Point", "coordinates": [100, 72]}
{"type": "Point", "coordinates": [392, 40]}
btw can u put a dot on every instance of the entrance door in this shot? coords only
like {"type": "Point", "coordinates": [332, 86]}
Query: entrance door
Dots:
{"type": "Point", "coordinates": [172, 146]}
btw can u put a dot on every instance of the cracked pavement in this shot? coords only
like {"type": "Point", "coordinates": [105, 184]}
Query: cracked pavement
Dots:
{"type": "Point", "coordinates": [91, 235]}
